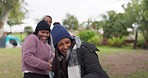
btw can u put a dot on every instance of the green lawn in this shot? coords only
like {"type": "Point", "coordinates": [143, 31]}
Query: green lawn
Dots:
{"type": "Point", "coordinates": [124, 62]}
{"type": "Point", "coordinates": [117, 62]}
{"type": "Point", "coordinates": [10, 63]}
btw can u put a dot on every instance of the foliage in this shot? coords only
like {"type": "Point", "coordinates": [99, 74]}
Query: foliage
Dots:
{"type": "Point", "coordinates": [96, 25]}
{"type": "Point", "coordinates": [90, 36]}
{"type": "Point", "coordinates": [113, 25]}
{"type": "Point", "coordinates": [144, 21]}
{"type": "Point", "coordinates": [88, 24]}
{"type": "Point", "coordinates": [97, 40]}
{"type": "Point", "coordinates": [137, 12]}
{"type": "Point", "coordinates": [117, 42]}
{"type": "Point", "coordinates": [116, 24]}
{"type": "Point", "coordinates": [16, 8]}
{"type": "Point", "coordinates": [28, 29]}
{"type": "Point", "coordinates": [11, 12]}
{"type": "Point", "coordinates": [140, 42]}
{"type": "Point", "coordinates": [71, 22]}
{"type": "Point", "coordinates": [87, 35]}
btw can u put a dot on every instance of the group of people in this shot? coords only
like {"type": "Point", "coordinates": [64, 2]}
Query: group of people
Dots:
{"type": "Point", "coordinates": [55, 53]}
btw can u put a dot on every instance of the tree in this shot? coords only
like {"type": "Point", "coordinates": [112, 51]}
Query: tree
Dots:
{"type": "Point", "coordinates": [96, 25]}
{"type": "Point", "coordinates": [11, 12]}
{"type": "Point", "coordinates": [133, 16]}
{"type": "Point", "coordinates": [28, 30]}
{"type": "Point", "coordinates": [144, 21]}
{"type": "Point", "coordinates": [88, 23]}
{"type": "Point", "coordinates": [71, 22]}
{"type": "Point", "coordinates": [114, 25]}
{"type": "Point", "coordinates": [137, 11]}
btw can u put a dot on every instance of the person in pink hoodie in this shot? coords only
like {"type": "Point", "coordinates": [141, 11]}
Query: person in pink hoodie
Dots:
{"type": "Point", "coordinates": [36, 53]}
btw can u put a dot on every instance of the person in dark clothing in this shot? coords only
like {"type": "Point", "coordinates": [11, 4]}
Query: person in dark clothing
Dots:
{"type": "Point", "coordinates": [74, 59]}
{"type": "Point", "coordinates": [48, 19]}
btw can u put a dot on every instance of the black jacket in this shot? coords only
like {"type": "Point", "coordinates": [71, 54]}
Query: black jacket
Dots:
{"type": "Point", "coordinates": [88, 59]}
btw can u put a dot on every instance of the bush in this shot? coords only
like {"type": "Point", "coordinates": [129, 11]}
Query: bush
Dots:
{"type": "Point", "coordinates": [97, 40]}
{"type": "Point", "coordinates": [117, 42]}
{"type": "Point", "coordinates": [141, 43]}
{"type": "Point", "coordinates": [28, 30]}
{"type": "Point", "coordinates": [90, 36]}
{"type": "Point", "coordinates": [86, 35]}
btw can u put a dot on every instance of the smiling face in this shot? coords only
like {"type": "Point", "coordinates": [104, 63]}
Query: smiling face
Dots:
{"type": "Point", "coordinates": [64, 45]}
{"type": "Point", "coordinates": [43, 35]}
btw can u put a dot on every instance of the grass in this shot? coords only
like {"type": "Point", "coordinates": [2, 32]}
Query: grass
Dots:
{"type": "Point", "coordinates": [124, 62]}
{"type": "Point", "coordinates": [110, 50]}
{"type": "Point", "coordinates": [117, 62]}
{"type": "Point", "coordinates": [10, 63]}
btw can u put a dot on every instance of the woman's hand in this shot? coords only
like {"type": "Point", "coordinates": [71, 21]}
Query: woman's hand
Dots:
{"type": "Point", "coordinates": [50, 66]}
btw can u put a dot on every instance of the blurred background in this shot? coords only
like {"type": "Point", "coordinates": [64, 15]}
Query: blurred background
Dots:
{"type": "Point", "coordinates": [117, 27]}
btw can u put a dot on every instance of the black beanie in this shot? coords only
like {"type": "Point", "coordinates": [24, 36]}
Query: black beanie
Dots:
{"type": "Point", "coordinates": [42, 25]}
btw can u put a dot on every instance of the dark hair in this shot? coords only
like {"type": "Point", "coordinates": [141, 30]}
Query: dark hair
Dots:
{"type": "Point", "coordinates": [47, 16]}
{"type": "Point", "coordinates": [56, 23]}
{"type": "Point", "coordinates": [42, 25]}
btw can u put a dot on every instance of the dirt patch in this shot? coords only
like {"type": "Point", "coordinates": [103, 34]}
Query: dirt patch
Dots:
{"type": "Point", "coordinates": [124, 63]}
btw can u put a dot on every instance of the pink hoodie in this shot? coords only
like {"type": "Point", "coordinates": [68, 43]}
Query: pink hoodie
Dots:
{"type": "Point", "coordinates": [35, 55]}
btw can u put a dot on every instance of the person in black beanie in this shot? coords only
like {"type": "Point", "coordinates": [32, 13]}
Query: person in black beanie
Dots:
{"type": "Point", "coordinates": [42, 25]}
{"type": "Point", "coordinates": [48, 19]}
{"type": "Point", "coordinates": [36, 53]}
{"type": "Point", "coordinates": [73, 59]}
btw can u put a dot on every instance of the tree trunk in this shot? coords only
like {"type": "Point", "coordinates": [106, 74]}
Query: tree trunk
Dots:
{"type": "Point", "coordinates": [135, 42]}
{"type": "Point", "coordinates": [1, 28]}
{"type": "Point", "coordinates": [3, 20]}
{"type": "Point", "coordinates": [105, 42]}
{"type": "Point", "coordinates": [1, 32]}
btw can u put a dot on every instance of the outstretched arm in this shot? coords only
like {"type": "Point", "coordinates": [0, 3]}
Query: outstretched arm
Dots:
{"type": "Point", "coordinates": [91, 65]}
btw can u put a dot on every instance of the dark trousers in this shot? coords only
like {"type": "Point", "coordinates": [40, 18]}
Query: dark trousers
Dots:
{"type": "Point", "coordinates": [35, 75]}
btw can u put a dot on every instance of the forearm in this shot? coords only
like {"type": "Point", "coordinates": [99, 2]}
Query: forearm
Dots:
{"type": "Point", "coordinates": [93, 68]}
